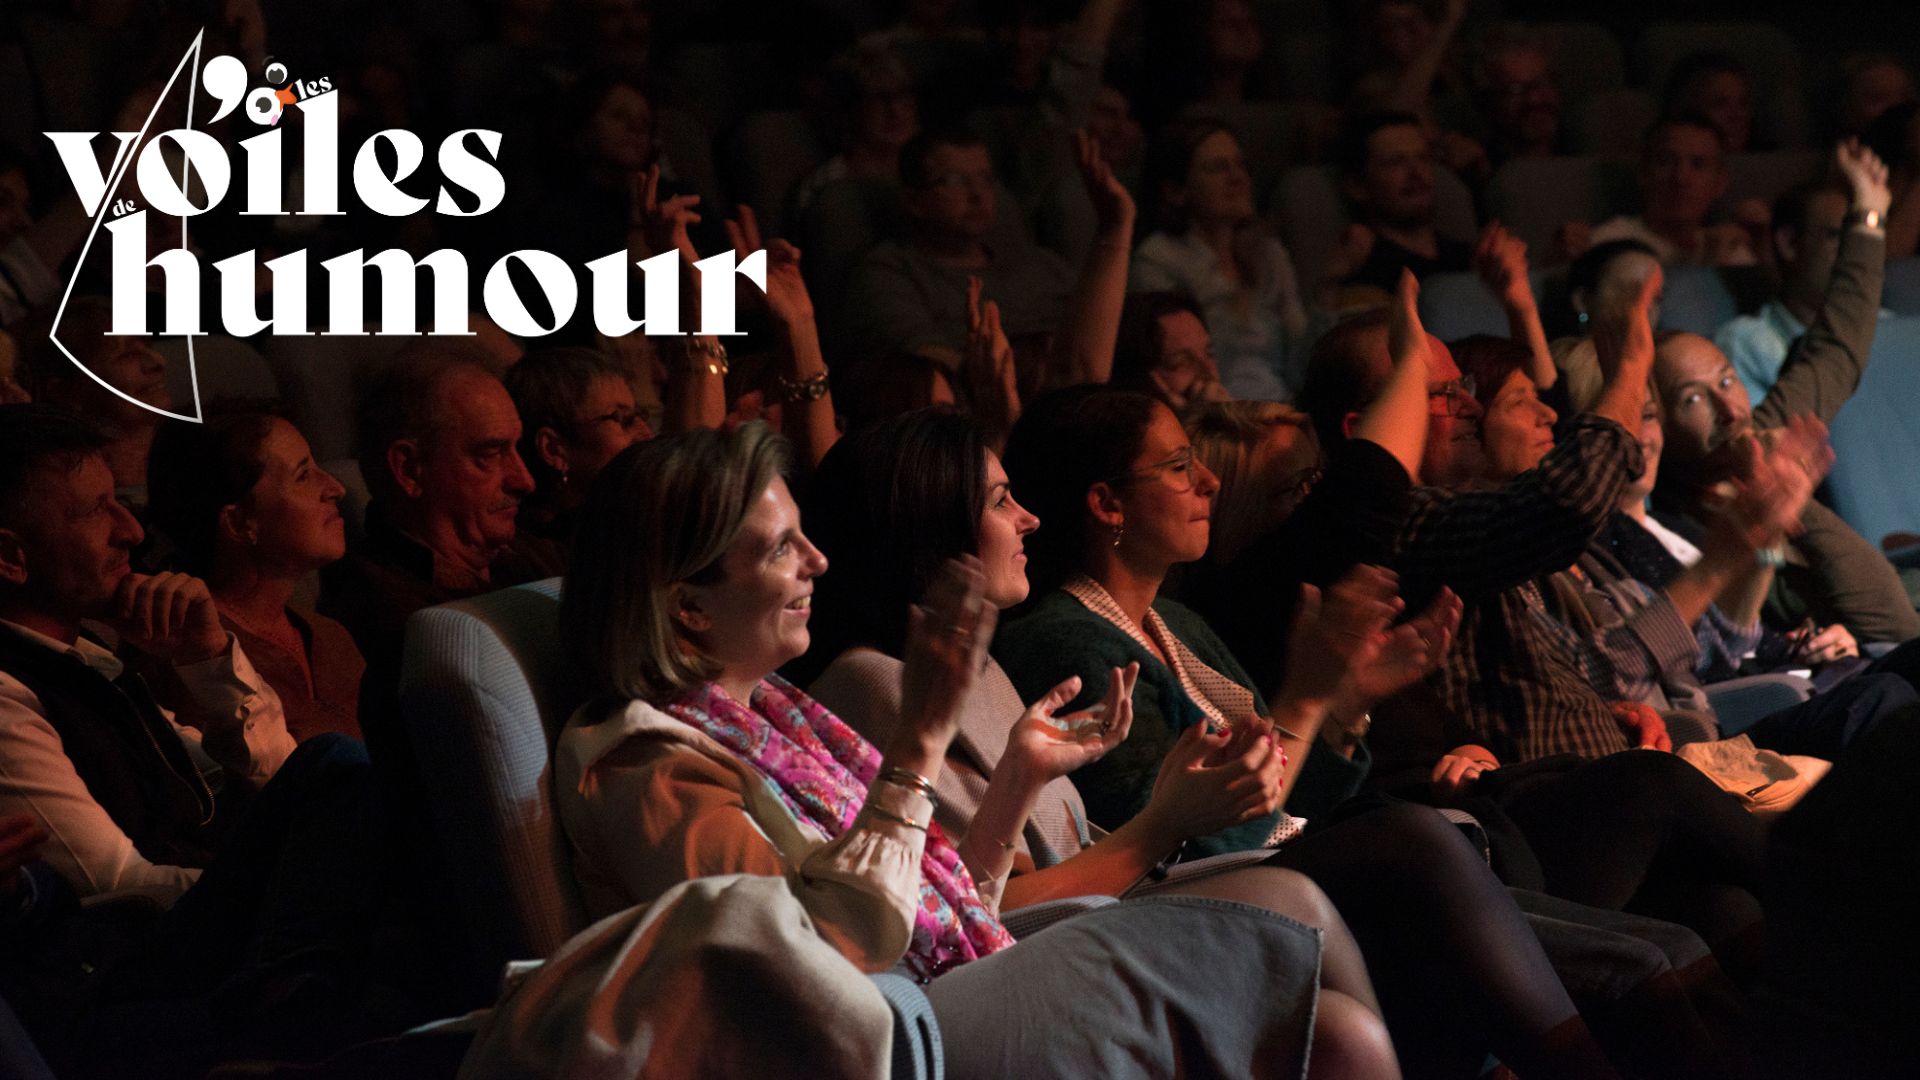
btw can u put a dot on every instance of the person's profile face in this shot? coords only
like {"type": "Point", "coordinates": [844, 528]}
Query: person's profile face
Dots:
{"type": "Point", "coordinates": [294, 508]}
{"type": "Point", "coordinates": [471, 475]}
{"type": "Point", "coordinates": [1517, 430]}
{"type": "Point", "coordinates": [1454, 457]}
{"type": "Point", "coordinates": [75, 538]}
{"type": "Point", "coordinates": [754, 618]}
{"type": "Point", "coordinates": [1166, 497]}
{"type": "Point", "coordinates": [1004, 527]}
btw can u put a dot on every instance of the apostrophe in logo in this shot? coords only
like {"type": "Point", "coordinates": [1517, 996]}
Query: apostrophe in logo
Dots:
{"type": "Point", "coordinates": [225, 77]}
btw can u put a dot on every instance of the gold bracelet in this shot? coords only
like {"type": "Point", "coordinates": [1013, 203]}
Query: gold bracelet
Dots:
{"type": "Point", "coordinates": [881, 811]}
{"type": "Point", "coordinates": [907, 778]}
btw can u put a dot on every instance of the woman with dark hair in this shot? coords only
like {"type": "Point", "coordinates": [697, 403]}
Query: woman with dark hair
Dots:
{"type": "Point", "coordinates": [692, 758]}
{"type": "Point", "coordinates": [895, 503]}
{"type": "Point", "coordinates": [1458, 970]}
{"type": "Point", "coordinates": [1207, 243]}
{"type": "Point", "coordinates": [249, 510]}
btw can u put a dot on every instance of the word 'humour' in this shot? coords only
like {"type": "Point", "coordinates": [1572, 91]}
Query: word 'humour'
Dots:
{"type": "Point", "coordinates": [468, 164]}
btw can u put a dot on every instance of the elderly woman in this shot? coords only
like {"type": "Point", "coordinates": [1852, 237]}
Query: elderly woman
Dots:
{"type": "Point", "coordinates": [246, 507]}
{"type": "Point", "coordinates": [694, 758]}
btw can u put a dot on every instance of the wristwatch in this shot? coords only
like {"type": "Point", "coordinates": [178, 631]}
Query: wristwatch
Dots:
{"type": "Point", "coordinates": [1865, 219]}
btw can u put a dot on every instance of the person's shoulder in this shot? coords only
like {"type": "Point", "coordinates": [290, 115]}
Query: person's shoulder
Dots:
{"type": "Point", "coordinates": [1055, 620]}
{"type": "Point", "coordinates": [860, 670]}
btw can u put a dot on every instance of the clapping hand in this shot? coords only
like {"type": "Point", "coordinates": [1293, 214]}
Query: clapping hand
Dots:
{"type": "Point", "coordinates": [1340, 633]}
{"type": "Point", "coordinates": [1411, 652]}
{"type": "Point", "coordinates": [1048, 746]}
{"type": "Point", "coordinates": [1213, 780]}
{"type": "Point", "coordinates": [987, 367]}
{"type": "Point", "coordinates": [947, 640]}
{"type": "Point", "coordinates": [663, 226]}
{"type": "Point", "coordinates": [1500, 258]}
{"type": "Point", "coordinates": [1112, 202]}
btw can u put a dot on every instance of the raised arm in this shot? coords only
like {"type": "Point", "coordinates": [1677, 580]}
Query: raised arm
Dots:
{"type": "Point", "coordinates": [1825, 366]}
{"type": "Point", "coordinates": [806, 413]}
{"type": "Point", "coordinates": [1500, 258]}
{"type": "Point", "coordinates": [1093, 318]}
{"type": "Point", "coordinates": [1396, 420]}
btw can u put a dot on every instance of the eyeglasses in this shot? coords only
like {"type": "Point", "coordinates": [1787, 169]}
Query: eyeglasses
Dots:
{"type": "Point", "coordinates": [1180, 468]}
{"type": "Point", "coordinates": [625, 419]}
{"type": "Point", "coordinates": [1455, 395]}
{"type": "Point", "coordinates": [1297, 485]}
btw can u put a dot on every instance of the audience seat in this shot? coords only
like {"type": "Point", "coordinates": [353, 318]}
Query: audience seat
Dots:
{"type": "Point", "coordinates": [1311, 213]}
{"type": "Point", "coordinates": [1454, 306]}
{"type": "Point", "coordinates": [770, 153]}
{"type": "Point", "coordinates": [1301, 65]}
{"type": "Point", "coordinates": [486, 686]}
{"type": "Point", "coordinates": [717, 80]}
{"type": "Point", "coordinates": [1876, 438]}
{"type": "Point", "coordinates": [1587, 58]}
{"type": "Point", "coordinates": [1613, 123]}
{"type": "Point", "coordinates": [1533, 197]}
{"type": "Point", "coordinates": [1901, 294]}
{"type": "Point", "coordinates": [228, 369]}
{"type": "Point", "coordinates": [1697, 299]}
{"type": "Point", "coordinates": [316, 375]}
{"type": "Point", "coordinates": [1767, 176]}
{"type": "Point", "coordinates": [1739, 704]}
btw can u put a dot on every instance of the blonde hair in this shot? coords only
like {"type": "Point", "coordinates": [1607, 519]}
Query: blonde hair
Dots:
{"type": "Point", "coordinates": [662, 513]}
{"type": "Point", "coordinates": [1224, 434]}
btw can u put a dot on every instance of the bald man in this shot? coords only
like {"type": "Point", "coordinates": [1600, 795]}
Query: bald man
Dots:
{"type": "Point", "coordinates": [1832, 572]}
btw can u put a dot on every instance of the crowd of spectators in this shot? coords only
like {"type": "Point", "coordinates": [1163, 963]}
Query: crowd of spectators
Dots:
{"type": "Point", "coordinates": [1351, 485]}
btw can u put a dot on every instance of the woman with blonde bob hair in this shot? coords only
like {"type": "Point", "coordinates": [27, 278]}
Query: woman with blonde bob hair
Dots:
{"type": "Point", "coordinates": [691, 582]}
{"type": "Point", "coordinates": [1266, 458]}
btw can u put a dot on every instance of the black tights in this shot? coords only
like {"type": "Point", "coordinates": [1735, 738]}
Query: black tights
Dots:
{"type": "Point", "coordinates": [1456, 966]}
{"type": "Point", "coordinates": [1647, 832]}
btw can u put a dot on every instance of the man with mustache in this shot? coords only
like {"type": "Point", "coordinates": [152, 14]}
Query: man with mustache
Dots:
{"type": "Point", "coordinates": [1834, 572]}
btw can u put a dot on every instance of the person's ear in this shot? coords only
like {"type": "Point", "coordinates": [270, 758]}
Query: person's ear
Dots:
{"type": "Point", "coordinates": [13, 558]}
{"type": "Point", "coordinates": [551, 449]}
{"type": "Point", "coordinates": [684, 603]}
{"type": "Point", "coordinates": [237, 526]}
{"type": "Point", "coordinates": [1103, 502]}
{"type": "Point", "coordinates": [1348, 423]}
{"type": "Point", "coordinates": [406, 464]}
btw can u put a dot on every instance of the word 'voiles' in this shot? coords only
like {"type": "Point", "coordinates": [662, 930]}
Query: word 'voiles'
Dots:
{"type": "Point", "coordinates": [467, 161]}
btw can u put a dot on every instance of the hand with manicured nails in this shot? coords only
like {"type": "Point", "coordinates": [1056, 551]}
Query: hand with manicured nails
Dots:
{"type": "Point", "coordinates": [171, 616]}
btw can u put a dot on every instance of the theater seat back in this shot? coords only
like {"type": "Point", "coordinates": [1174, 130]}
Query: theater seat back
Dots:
{"type": "Point", "coordinates": [1876, 438]}
{"type": "Point", "coordinates": [485, 687]}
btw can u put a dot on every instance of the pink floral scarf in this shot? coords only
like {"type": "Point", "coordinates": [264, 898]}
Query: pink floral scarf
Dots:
{"type": "Point", "coordinates": [821, 770]}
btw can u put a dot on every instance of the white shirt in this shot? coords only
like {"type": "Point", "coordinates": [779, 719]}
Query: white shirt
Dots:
{"type": "Point", "coordinates": [242, 731]}
{"type": "Point", "coordinates": [1257, 326]}
{"type": "Point", "coordinates": [1682, 549]}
